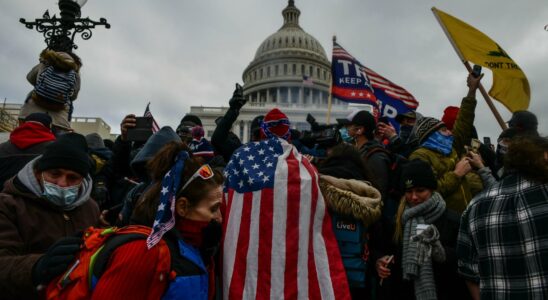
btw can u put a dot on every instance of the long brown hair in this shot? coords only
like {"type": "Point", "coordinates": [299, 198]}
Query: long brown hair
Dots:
{"type": "Point", "coordinates": [158, 166]}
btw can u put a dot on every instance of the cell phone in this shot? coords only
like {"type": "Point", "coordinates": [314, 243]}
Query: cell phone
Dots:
{"type": "Point", "coordinates": [142, 130]}
{"type": "Point", "coordinates": [487, 140]}
{"type": "Point", "coordinates": [475, 144]}
{"type": "Point", "coordinates": [476, 71]}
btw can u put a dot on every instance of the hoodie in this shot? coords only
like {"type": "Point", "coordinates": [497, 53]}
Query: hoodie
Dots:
{"type": "Point", "coordinates": [27, 178]}
{"type": "Point", "coordinates": [29, 226]}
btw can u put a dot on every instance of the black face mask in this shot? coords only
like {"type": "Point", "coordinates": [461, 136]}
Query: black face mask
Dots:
{"type": "Point", "coordinates": [405, 132]}
{"type": "Point", "coordinates": [211, 239]}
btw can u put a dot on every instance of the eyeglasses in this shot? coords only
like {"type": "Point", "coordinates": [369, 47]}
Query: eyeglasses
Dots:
{"type": "Point", "coordinates": [205, 172]}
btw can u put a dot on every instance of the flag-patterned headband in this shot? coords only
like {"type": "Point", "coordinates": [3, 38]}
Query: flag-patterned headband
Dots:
{"type": "Point", "coordinates": [267, 125]}
{"type": "Point", "coordinates": [165, 214]}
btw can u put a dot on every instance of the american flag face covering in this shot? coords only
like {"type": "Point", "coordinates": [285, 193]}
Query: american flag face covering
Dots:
{"type": "Point", "coordinates": [165, 215]}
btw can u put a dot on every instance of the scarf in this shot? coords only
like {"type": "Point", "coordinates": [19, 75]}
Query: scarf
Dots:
{"type": "Point", "coordinates": [191, 231]}
{"type": "Point", "coordinates": [422, 274]}
{"type": "Point", "coordinates": [439, 142]}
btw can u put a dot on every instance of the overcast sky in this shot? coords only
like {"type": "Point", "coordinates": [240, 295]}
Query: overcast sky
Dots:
{"type": "Point", "coordinates": [180, 53]}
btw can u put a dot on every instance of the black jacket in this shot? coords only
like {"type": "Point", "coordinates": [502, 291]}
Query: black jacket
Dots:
{"type": "Point", "coordinates": [448, 284]}
{"type": "Point", "coordinates": [224, 142]}
{"type": "Point", "coordinates": [13, 159]}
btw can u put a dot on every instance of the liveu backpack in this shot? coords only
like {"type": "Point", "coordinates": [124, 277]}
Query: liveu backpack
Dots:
{"type": "Point", "coordinates": [79, 281]}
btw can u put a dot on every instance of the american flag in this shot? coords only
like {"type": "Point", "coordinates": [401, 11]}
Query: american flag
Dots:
{"type": "Point", "coordinates": [278, 239]}
{"type": "Point", "coordinates": [307, 80]}
{"type": "Point", "coordinates": [165, 218]}
{"type": "Point", "coordinates": [155, 126]}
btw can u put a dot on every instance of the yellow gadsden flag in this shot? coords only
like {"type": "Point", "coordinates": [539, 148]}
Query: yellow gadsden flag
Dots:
{"type": "Point", "coordinates": [510, 86]}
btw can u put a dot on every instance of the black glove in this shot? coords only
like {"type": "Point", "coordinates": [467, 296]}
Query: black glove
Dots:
{"type": "Point", "coordinates": [238, 99]}
{"type": "Point", "coordinates": [211, 239]}
{"type": "Point", "coordinates": [56, 260]}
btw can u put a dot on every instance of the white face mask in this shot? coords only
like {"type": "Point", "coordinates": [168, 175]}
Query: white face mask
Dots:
{"type": "Point", "coordinates": [60, 196]}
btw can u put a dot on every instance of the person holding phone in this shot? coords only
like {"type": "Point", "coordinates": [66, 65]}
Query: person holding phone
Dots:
{"type": "Point", "coordinates": [443, 149]}
{"type": "Point", "coordinates": [425, 235]}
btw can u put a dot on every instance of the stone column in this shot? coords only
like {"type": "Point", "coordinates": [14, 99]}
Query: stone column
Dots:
{"type": "Point", "coordinates": [288, 94]}
{"type": "Point", "coordinates": [301, 96]}
{"type": "Point", "coordinates": [321, 98]}
{"type": "Point", "coordinates": [246, 132]}
{"type": "Point", "coordinates": [277, 95]}
{"type": "Point", "coordinates": [268, 100]}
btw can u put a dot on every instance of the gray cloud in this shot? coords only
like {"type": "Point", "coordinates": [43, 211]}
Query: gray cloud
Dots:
{"type": "Point", "coordinates": [181, 53]}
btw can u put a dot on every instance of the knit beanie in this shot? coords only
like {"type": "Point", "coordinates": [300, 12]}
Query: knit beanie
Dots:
{"type": "Point", "coordinates": [69, 152]}
{"type": "Point", "coordinates": [417, 173]}
{"type": "Point", "coordinates": [192, 118]}
{"type": "Point", "coordinates": [202, 148]}
{"type": "Point", "coordinates": [426, 126]}
{"type": "Point", "coordinates": [275, 123]}
{"type": "Point", "coordinates": [450, 116]}
{"type": "Point", "coordinates": [41, 118]}
{"type": "Point", "coordinates": [95, 141]}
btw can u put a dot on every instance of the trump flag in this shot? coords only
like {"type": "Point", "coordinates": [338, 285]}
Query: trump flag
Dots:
{"type": "Point", "coordinates": [353, 82]}
{"type": "Point", "coordinates": [278, 238]}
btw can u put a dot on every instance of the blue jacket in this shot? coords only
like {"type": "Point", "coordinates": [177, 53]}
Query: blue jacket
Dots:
{"type": "Point", "coordinates": [192, 278]}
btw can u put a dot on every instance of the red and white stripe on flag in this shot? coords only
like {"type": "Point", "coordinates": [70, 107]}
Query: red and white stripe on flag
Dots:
{"type": "Point", "coordinates": [278, 241]}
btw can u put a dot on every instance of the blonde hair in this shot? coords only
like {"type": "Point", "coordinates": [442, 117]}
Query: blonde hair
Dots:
{"type": "Point", "coordinates": [398, 231]}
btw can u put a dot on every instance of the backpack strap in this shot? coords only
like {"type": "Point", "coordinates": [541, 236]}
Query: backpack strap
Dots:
{"type": "Point", "coordinates": [378, 149]}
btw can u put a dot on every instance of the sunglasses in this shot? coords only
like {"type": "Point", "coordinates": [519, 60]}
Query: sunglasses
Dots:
{"type": "Point", "coordinates": [205, 172]}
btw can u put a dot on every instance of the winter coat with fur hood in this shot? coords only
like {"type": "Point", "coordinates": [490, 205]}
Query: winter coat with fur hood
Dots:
{"type": "Point", "coordinates": [352, 198]}
{"type": "Point", "coordinates": [59, 60]}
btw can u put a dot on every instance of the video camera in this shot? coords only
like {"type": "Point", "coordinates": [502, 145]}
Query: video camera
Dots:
{"type": "Point", "coordinates": [321, 136]}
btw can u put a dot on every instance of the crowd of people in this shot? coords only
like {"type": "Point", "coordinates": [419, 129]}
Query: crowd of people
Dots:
{"type": "Point", "coordinates": [418, 213]}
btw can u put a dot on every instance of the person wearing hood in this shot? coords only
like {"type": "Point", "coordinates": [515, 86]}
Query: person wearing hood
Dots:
{"type": "Point", "coordinates": [138, 164]}
{"type": "Point", "coordinates": [444, 150]}
{"type": "Point", "coordinates": [26, 142]}
{"type": "Point", "coordinates": [40, 210]}
{"type": "Point", "coordinates": [354, 205]}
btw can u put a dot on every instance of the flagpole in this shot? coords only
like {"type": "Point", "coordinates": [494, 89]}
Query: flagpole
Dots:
{"type": "Point", "coordinates": [330, 96]}
{"type": "Point", "coordinates": [467, 66]}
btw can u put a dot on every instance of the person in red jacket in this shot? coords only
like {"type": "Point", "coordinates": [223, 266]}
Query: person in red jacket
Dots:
{"type": "Point", "coordinates": [26, 142]}
{"type": "Point", "coordinates": [192, 232]}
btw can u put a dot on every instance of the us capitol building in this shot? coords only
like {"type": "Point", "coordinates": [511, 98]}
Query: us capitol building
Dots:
{"type": "Point", "coordinates": [275, 79]}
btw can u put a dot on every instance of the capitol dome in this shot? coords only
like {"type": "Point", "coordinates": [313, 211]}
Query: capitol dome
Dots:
{"type": "Point", "coordinates": [276, 78]}
{"type": "Point", "coordinates": [282, 62]}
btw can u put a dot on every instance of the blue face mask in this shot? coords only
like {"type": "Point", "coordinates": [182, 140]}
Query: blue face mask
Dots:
{"type": "Point", "coordinates": [345, 136]}
{"type": "Point", "coordinates": [60, 196]}
{"type": "Point", "coordinates": [439, 142]}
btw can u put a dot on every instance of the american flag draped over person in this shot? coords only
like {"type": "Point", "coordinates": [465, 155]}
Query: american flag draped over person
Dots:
{"type": "Point", "coordinates": [353, 82]}
{"type": "Point", "coordinates": [278, 238]}
{"type": "Point", "coordinates": [155, 126]}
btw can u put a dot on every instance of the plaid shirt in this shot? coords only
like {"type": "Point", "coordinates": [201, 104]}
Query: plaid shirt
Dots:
{"type": "Point", "coordinates": [503, 240]}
